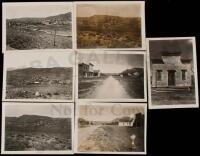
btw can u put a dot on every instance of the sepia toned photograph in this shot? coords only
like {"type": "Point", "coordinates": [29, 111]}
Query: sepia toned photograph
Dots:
{"type": "Point", "coordinates": [37, 26]}
{"type": "Point", "coordinates": [101, 25]}
{"type": "Point", "coordinates": [39, 76]}
{"type": "Point", "coordinates": [37, 128]}
{"type": "Point", "coordinates": [172, 73]}
{"type": "Point", "coordinates": [111, 128]}
{"type": "Point", "coordinates": [99, 71]}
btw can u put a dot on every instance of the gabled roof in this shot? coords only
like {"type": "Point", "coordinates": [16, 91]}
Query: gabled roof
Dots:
{"type": "Point", "coordinates": [185, 61]}
{"type": "Point", "coordinates": [157, 61]}
{"type": "Point", "coordinates": [125, 119]}
{"type": "Point", "coordinates": [171, 53]}
{"type": "Point", "coordinates": [83, 64]}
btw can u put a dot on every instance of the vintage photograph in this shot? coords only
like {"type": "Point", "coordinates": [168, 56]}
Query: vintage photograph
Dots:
{"type": "Point", "coordinates": [172, 73]}
{"type": "Point", "coordinates": [37, 128]}
{"type": "Point", "coordinates": [37, 25]}
{"type": "Point", "coordinates": [111, 128]}
{"type": "Point", "coordinates": [39, 76]}
{"type": "Point", "coordinates": [102, 25]}
{"type": "Point", "coordinates": [111, 76]}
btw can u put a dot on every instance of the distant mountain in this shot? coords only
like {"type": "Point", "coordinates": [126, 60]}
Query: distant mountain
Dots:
{"type": "Point", "coordinates": [37, 123]}
{"type": "Point", "coordinates": [122, 119]}
{"type": "Point", "coordinates": [107, 22]}
{"type": "Point", "coordinates": [57, 19]}
{"type": "Point", "coordinates": [62, 17]}
{"type": "Point", "coordinates": [134, 71]}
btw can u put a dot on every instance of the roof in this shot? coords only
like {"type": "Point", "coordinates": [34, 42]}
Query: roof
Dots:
{"type": "Point", "coordinates": [83, 64]}
{"type": "Point", "coordinates": [91, 64]}
{"type": "Point", "coordinates": [171, 53]}
{"type": "Point", "coordinates": [157, 61]}
{"type": "Point", "coordinates": [125, 119]}
{"type": "Point", "coordinates": [185, 61]}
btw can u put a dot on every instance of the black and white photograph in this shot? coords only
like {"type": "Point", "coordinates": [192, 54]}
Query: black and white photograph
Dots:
{"type": "Point", "coordinates": [111, 128]}
{"type": "Point", "coordinates": [102, 25]}
{"type": "Point", "coordinates": [111, 76]}
{"type": "Point", "coordinates": [39, 76]}
{"type": "Point", "coordinates": [32, 26]}
{"type": "Point", "coordinates": [172, 73]}
{"type": "Point", "coordinates": [37, 128]}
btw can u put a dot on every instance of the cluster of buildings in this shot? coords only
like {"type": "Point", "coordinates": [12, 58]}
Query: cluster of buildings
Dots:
{"type": "Point", "coordinates": [87, 70]}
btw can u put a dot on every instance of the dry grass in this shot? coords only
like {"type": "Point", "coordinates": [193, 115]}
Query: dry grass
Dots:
{"type": "Point", "coordinates": [31, 141]}
{"type": "Point", "coordinates": [27, 39]}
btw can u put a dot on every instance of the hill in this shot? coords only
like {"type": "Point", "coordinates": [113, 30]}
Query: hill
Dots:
{"type": "Point", "coordinates": [106, 22]}
{"type": "Point", "coordinates": [35, 123]}
{"type": "Point", "coordinates": [138, 72]}
{"type": "Point", "coordinates": [38, 74]}
{"type": "Point", "coordinates": [57, 19]}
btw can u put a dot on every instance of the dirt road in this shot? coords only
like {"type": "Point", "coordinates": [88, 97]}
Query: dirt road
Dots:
{"type": "Point", "coordinates": [84, 133]}
{"type": "Point", "coordinates": [110, 88]}
{"type": "Point", "coordinates": [112, 138]}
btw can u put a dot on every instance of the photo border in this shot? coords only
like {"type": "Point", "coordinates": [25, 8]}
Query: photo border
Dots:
{"type": "Point", "coordinates": [102, 52]}
{"type": "Point", "coordinates": [70, 152]}
{"type": "Point", "coordinates": [7, 4]}
{"type": "Point", "coordinates": [108, 104]}
{"type": "Point", "coordinates": [143, 26]}
{"type": "Point", "coordinates": [69, 52]}
{"type": "Point", "coordinates": [196, 105]}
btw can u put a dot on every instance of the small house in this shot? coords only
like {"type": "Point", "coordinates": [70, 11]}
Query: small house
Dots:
{"type": "Point", "coordinates": [126, 121]}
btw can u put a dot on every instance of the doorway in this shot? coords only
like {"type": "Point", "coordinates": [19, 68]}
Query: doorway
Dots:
{"type": "Point", "coordinates": [171, 77]}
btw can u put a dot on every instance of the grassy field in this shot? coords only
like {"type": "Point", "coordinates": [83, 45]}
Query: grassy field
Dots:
{"type": "Point", "coordinates": [46, 91]}
{"type": "Point", "coordinates": [110, 138]}
{"type": "Point", "coordinates": [23, 39]}
{"type": "Point", "coordinates": [35, 141]}
{"type": "Point", "coordinates": [102, 31]}
{"type": "Point", "coordinates": [133, 86]}
{"type": "Point", "coordinates": [88, 85]}
{"type": "Point", "coordinates": [32, 132]}
{"type": "Point", "coordinates": [173, 97]}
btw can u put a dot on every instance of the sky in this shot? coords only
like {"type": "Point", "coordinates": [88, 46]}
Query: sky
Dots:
{"type": "Point", "coordinates": [50, 110]}
{"type": "Point", "coordinates": [184, 46]}
{"type": "Point", "coordinates": [113, 63]}
{"type": "Point", "coordinates": [37, 10]}
{"type": "Point", "coordinates": [16, 60]}
{"type": "Point", "coordinates": [122, 10]}
{"type": "Point", "coordinates": [107, 112]}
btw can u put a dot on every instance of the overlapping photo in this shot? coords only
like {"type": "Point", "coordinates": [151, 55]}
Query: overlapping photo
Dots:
{"type": "Point", "coordinates": [33, 26]}
{"type": "Point", "coordinates": [172, 73]}
{"type": "Point", "coordinates": [37, 128]}
{"type": "Point", "coordinates": [110, 25]}
{"type": "Point", "coordinates": [108, 128]}
{"type": "Point", "coordinates": [38, 76]}
{"type": "Point", "coordinates": [111, 76]}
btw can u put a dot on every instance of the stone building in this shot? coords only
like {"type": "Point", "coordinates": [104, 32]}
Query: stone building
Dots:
{"type": "Point", "coordinates": [171, 71]}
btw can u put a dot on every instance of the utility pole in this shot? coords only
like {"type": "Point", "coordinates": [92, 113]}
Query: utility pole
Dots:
{"type": "Point", "coordinates": [54, 38]}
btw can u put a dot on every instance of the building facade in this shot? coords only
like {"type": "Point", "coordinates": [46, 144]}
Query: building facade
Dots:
{"type": "Point", "coordinates": [171, 71]}
{"type": "Point", "coordinates": [87, 70]}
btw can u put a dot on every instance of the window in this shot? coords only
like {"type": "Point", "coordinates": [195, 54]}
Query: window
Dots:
{"type": "Point", "coordinates": [183, 74]}
{"type": "Point", "coordinates": [159, 75]}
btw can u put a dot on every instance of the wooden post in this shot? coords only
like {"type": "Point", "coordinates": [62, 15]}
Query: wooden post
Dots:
{"type": "Point", "coordinates": [54, 38]}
